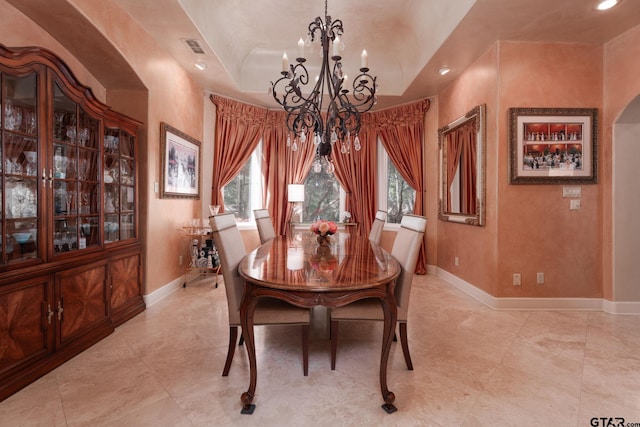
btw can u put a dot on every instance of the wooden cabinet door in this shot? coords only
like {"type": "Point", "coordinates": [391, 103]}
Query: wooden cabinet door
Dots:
{"type": "Point", "coordinates": [81, 300]}
{"type": "Point", "coordinates": [125, 280]}
{"type": "Point", "coordinates": [26, 323]}
{"type": "Point", "coordinates": [126, 287]}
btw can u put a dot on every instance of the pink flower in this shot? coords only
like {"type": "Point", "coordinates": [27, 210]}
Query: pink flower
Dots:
{"type": "Point", "coordinates": [324, 228]}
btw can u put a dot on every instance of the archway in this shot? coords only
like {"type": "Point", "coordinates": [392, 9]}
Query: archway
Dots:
{"type": "Point", "coordinates": [626, 203]}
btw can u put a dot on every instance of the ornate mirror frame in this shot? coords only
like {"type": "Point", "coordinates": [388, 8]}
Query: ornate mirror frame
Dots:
{"type": "Point", "coordinates": [476, 214]}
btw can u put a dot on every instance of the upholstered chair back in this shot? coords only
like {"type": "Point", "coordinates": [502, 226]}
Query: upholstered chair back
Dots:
{"type": "Point", "coordinates": [264, 224]}
{"type": "Point", "coordinates": [375, 235]}
{"type": "Point", "coordinates": [405, 250]}
{"type": "Point", "coordinates": [231, 250]}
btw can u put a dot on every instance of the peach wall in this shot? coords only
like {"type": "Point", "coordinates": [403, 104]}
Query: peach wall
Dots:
{"type": "Point", "coordinates": [537, 232]}
{"type": "Point", "coordinates": [529, 228]}
{"type": "Point", "coordinates": [475, 247]}
{"type": "Point", "coordinates": [173, 98]}
{"type": "Point", "coordinates": [430, 207]}
{"type": "Point", "coordinates": [621, 86]}
{"type": "Point", "coordinates": [16, 30]}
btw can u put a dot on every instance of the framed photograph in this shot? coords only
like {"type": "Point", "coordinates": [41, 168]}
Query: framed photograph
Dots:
{"type": "Point", "coordinates": [180, 164]}
{"type": "Point", "coordinates": [553, 145]}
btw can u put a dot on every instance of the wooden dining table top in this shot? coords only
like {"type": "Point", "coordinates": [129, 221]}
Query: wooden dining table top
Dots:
{"type": "Point", "coordinates": [297, 262]}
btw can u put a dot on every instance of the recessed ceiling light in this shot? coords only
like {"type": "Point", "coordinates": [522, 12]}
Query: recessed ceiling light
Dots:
{"type": "Point", "coordinates": [606, 4]}
{"type": "Point", "coordinates": [444, 70]}
{"type": "Point", "coordinates": [200, 66]}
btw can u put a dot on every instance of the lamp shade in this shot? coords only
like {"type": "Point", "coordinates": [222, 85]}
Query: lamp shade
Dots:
{"type": "Point", "coordinates": [296, 193]}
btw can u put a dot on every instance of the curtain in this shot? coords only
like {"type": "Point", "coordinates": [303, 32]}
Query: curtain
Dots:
{"type": "Point", "coordinates": [454, 153]}
{"type": "Point", "coordinates": [401, 130]}
{"type": "Point", "coordinates": [282, 166]}
{"type": "Point", "coordinates": [469, 175]}
{"type": "Point", "coordinates": [356, 173]}
{"type": "Point", "coordinates": [238, 131]}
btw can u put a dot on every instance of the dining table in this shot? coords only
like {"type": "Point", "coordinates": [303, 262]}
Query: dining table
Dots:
{"type": "Point", "coordinates": [306, 271]}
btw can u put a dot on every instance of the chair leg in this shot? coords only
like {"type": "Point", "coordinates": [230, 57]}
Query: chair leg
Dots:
{"type": "Point", "coordinates": [233, 335]}
{"type": "Point", "coordinates": [241, 340]}
{"type": "Point", "coordinates": [405, 345]}
{"type": "Point", "coordinates": [334, 343]}
{"type": "Point", "coordinates": [305, 349]}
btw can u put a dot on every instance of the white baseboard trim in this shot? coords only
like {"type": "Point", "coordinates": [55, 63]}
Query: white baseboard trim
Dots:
{"type": "Point", "coordinates": [163, 292]}
{"type": "Point", "coordinates": [621, 307]}
{"type": "Point", "coordinates": [589, 304]}
{"type": "Point", "coordinates": [432, 269]}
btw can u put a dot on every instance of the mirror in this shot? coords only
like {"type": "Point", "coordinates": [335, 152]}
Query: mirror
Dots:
{"type": "Point", "coordinates": [462, 168]}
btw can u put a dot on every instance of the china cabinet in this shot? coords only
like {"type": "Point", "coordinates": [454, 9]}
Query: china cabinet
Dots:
{"type": "Point", "coordinates": [70, 256]}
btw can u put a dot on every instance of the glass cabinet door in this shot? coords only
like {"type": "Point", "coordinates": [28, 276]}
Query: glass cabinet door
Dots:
{"type": "Point", "coordinates": [119, 184]}
{"type": "Point", "coordinates": [19, 189]}
{"type": "Point", "coordinates": [74, 176]}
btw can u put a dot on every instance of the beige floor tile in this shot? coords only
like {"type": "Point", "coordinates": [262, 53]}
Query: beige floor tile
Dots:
{"type": "Point", "coordinates": [473, 366]}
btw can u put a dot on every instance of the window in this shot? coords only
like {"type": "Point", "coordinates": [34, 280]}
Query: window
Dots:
{"type": "Point", "coordinates": [395, 196]}
{"type": "Point", "coordinates": [324, 198]}
{"type": "Point", "coordinates": [244, 193]}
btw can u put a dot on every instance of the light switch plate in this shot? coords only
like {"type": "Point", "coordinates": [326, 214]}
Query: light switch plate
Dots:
{"type": "Point", "coordinates": [571, 191]}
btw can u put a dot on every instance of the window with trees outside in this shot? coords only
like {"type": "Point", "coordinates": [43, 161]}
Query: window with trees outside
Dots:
{"type": "Point", "coordinates": [395, 196]}
{"type": "Point", "coordinates": [244, 193]}
{"type": "Point", "coordinates": [323, 197]}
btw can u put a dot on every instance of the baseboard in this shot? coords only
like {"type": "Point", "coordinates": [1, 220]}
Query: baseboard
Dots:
{"type": "Point", "coordinates": [163, 292]}
{"type": "Point", "coordinates": [588, 304]}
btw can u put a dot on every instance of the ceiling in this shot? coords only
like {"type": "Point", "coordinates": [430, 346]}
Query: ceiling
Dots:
{"type": "Point", "coordinates": [407, 40]}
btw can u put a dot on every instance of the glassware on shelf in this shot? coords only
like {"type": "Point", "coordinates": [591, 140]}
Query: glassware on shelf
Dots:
{"type": "Point", "coordinates": [20, 201]}
{"type": "Point", "coordinates": [71, 133]}
{"type": "Point", "coordinates": [83, 135]}
{"type": "Point", "coordinates": [60, 164]}
{"type": "Point", "coordinates": [30, 121]}
{"type": "Point", "coordinates": [32, 162]}
{"type": "Point", "coordinates": [22, 238]}
{"type": "Point", "coordinates": [59, 118]}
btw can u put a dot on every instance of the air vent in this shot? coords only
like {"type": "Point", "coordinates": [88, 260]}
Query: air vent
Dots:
{"type": "Point", "coordinates": [194, 45]}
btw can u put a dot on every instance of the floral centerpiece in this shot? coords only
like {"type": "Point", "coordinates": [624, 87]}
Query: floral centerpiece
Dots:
{"type": "Point", "coordinates": [324, 229]}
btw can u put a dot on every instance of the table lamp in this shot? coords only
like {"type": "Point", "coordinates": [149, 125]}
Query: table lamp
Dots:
{"type": "Point", "coordinates": [296, 196]}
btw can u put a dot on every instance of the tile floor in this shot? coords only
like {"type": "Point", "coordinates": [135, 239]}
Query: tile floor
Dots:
{"type": "Point", "coordinates": [473, 367]}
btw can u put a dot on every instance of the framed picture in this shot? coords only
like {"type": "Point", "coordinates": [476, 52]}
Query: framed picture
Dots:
{"type": "Point", "coordinates": [180, 164]}
{"type": "Point", "coordinates": [553, 145]}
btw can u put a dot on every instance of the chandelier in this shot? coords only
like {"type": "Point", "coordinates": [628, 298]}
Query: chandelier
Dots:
{"type": "Point", "coordinates": [340, 121]}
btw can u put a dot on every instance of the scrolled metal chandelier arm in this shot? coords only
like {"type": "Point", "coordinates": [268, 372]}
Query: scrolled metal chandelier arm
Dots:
{"type": "Point", "coordinates": [305, 113]}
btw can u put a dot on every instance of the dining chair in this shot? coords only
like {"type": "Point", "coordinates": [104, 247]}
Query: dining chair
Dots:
{"type": "Point", "coordinates": [405, 250]}
{"type": "Point", "coordinates": [264, 224]}
{"type": "Point", "coordinates": [269, 311]}
{"type": "Point", "coordinates": [375, 235]}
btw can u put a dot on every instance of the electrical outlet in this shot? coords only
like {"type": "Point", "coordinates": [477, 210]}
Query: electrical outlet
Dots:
{"type": "Point", "coordinates": [456, 261]}
{"type": "Point", "coordinates": [540, 278]}
{"type": "Point", "coordinates": [180, 260]}
{"type": "Point", "coordinates": [517, 279]}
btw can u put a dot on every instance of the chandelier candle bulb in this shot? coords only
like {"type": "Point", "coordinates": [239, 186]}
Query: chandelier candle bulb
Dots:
{"type": "Point", "coordinates": [337, 120]}
{"type": "Point", "coordinates": [364, 59]}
